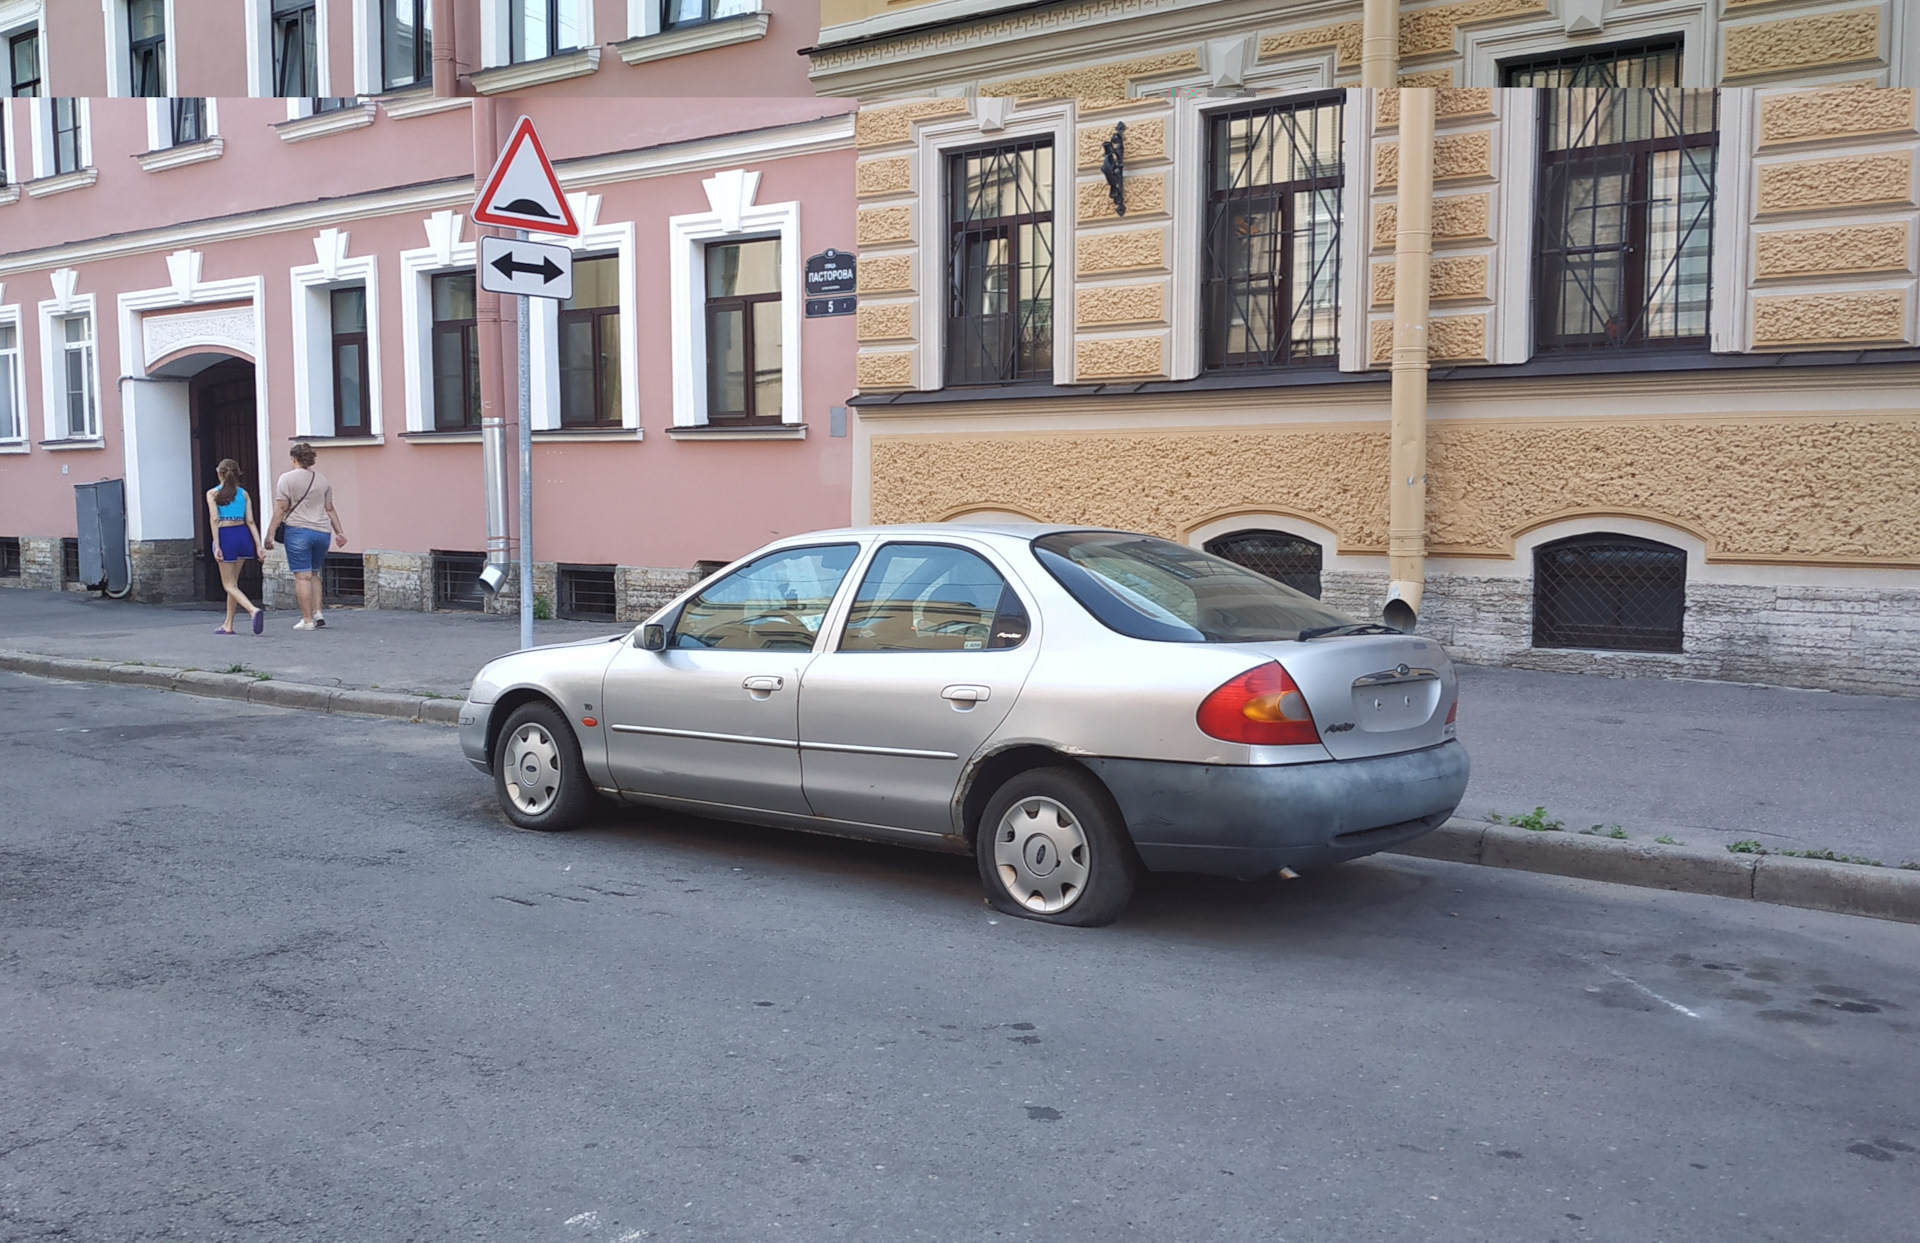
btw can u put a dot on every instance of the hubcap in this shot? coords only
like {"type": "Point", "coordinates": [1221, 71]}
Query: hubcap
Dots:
{"type": "Point", "coordinates": [1041, 852]}
{"type": "Point", "coordinates": [533, 769]}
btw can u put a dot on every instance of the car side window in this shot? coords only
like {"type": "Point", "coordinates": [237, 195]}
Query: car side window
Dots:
{"type": "Point", "coordinates": [933, 598]}
{"type": "Point", "coordinates": [775, 603]}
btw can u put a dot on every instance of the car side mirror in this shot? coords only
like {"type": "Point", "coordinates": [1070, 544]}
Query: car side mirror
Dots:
{"type": "Point", "coordinates": [653, 637]}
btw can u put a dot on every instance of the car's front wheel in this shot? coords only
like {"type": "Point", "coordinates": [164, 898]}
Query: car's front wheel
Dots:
{"type": "Point", "coordinates": [1053, 847]}
{"type": "Point", "coordinates": [537, 771]}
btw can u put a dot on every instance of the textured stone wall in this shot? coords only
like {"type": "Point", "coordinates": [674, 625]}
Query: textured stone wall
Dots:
{"type": "Point", "coordinates": [161, 570]}
{"type": "Point", "coordinates": [40, 563]}
{"type": "Point", "coordinates": [1792, 46]}
{"type": "Point", "coordinates": [399, 580]}
{"type": "Point", "coordinates": [1833, 221]}
{"type": "Point", "coordinates": [641, 590]}
{"type": "Point", "coordinates": [1102, 81]}
{"type": "Point", "coordinates": [1122, 323]}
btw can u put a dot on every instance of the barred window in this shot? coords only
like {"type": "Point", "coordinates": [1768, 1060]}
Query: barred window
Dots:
{"type": "Point", "coordinates": [1625, 240]}
{"type": "Point", "coordinates": [1272, 263]}
{"type": "Point", "coordinates": [1609, 591]}
{"type": "Point", "coordinates": [1653, 64]}
{"type": "Point", "coordinates": [456, 580]}
{"type": "Point", "coordinates": [1287, 559]}
{"type": "Point", "coordinates": [1000, 264]}
{"type": "Point", "coordinates": [587, 593]}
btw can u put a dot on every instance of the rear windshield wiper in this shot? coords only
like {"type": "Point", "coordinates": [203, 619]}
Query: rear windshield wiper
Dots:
{"type": "Point", "coordinates": [1347, 628]}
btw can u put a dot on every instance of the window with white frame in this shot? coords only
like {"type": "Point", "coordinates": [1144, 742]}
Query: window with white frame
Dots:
{"type": "Point", "coordinates": [404, 42]}
{"type": "Point", "coordinates": [147, 48]}
{"type": "Point", "coordinates": [67, 140]}
{"type": "Point", "coordinates": [23, 62]}
{"type": "Point", "coordinates": [13, 414]}
{"type": "Point", "coordinates": [79, 405]}
{"type": "Point", "coordinates": [1000, 263]}
{"type": "Point", "coordinates": [736, 274]}
{"type": "Point", "coordinates": [540, 28]}
{"type": "Point", "coordinates": [186, 121]}
{"type": "Point", "coordinates": [7, 162]}
{"type": "Point", "coordinates": [455, 353]}
{"type": "Point", "coordinates": [347, 351]}
{"type": "Point", "coordinates": [676, 14]}
{"type": "Point", "coordinates": [336, 328]}
{"type": "Point", "coordinates": [589, 345]}
{"type": "Point", "coordinates": [295, 39]}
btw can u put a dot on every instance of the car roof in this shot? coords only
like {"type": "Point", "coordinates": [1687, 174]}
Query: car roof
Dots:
{"type": "Point", "coordinates": [1013, 530]}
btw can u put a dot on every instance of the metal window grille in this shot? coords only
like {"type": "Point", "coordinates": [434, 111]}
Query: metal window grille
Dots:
{"type": "Point", "coordinates": [296, 53]}
{"type": "Point", "coordinates": [1272, 261]}
{"type": "Point", "coordinates": [1625, 221]}
{"type": "Point", "coordinates": [343, 578]}
{"type": "Point", "coordinates": [1609, 591]}
{"type": "Point", "coordinates": [23, 54]}
{"type": "Point", "coordinates": [1286, 559]}
{"type": "Point", "coordinates": [456, 580]}
{"type": "Point", "coordinates": [10, 556]}
{"type": "Point", "coordinates": [147, 49]}
{"type": "Point", "coordinates": [1000, 264]}
{"type": "Point", "coordinates": [66, 135]}
{"type": "Point", "coordinates": [1619, 65]}
{"type": "Point", "coordinates": [586, 592]}
{"type": "Point", "coordinates": [69, 560]}
{"type": "Point", "coordinates": [188, 117]}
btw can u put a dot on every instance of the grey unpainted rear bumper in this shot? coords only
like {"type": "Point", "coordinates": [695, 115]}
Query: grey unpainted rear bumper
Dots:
{"type": "Point", "coordinates": [473, 734]}
{"type": "Point", "coordinates": [1238, 820]}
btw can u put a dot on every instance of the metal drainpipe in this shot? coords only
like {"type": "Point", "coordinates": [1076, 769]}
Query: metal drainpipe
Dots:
{"type": "Point", "coordinates": [486, 314]}
{"type": "Point", "coordinates": [446, 69]}
{"type": "Point", "coordinates": [1412, 264]}
{"type": "Point", "coordinates": [1380, 43]}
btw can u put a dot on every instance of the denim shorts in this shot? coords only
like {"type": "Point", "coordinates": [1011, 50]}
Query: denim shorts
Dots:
{"type": "Point", "coordinates": [306, 549]}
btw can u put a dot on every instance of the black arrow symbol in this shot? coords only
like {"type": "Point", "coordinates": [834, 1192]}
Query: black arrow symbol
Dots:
{"type": "Point", "coordinates": [547, 268]}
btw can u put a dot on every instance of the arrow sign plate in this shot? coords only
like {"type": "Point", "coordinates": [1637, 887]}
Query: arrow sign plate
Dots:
{"type": "Point", "coordinates": [538, 269]}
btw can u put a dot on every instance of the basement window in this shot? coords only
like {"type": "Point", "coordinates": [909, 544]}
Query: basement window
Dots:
{"type": "Point", "coordinates": [1611, 592]}
{"type": "Point", "coordinates": [587, 593]}
{"type": "Point", "coordinates": [456, 580]}
{"type": "Point", "coordinates": [10, 556]}
{"type": "Point", "coordinates": [343, 579]}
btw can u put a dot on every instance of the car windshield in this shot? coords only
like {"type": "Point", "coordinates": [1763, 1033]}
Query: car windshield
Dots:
{"type": "Point", "coordinates": [1151, 588]}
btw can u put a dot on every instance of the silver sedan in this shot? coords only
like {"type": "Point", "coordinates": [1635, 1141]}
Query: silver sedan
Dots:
{"type": "Point", "coordinates": [1069, 706]}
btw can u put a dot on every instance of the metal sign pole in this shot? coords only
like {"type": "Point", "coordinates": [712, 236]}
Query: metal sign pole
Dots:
{"type": "Point", "coordinates": [526, 471]}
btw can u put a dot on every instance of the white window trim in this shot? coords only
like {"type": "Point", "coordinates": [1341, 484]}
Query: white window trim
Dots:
{"type": "Point", "coordinates": [53, 371]}
{"type": "Point", "coordinates": [120, 49]}
{"type": "Point", "coordinates": [595, 241]}
{"type": "Point", "coordinates": [1729, 325]}
{"type": "Point", "coordinates": [160, 139]}
{"type": "Point", "coordinates": [934, 143]}
{"type": "Point", "coordinates": [260, 48]}
{"type": "Point", "coordinates": [442, 253]}
{"type": "Point", "coordinates": [16, 17]}
{"type": "Point", "coordinates": [303, 123]}
{"type": "Point", "coordinates": [9, 153]}
{"type": "Point", "coordinates": [735, 217]}
{"type": "Point", "coordinates": [19, 441]}
{"type": "Point", "coordinates": [496, 44]}
{"type": "Point", "coordinates": [1695, 21]}
{"type": "Point", "coordinates": [647, 40]}
{"type": "Point", "coordinates": [42, 114]}
{"type": "Point", "coordinates": [313, 412]}
{"type": "Point", "coordinates": [1516, 200]}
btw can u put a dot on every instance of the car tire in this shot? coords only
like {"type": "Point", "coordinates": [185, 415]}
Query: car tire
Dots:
{"type": "Point", "coordinates": [1052, 847]}
{"type": "Point", "coordinates": [538, 775]}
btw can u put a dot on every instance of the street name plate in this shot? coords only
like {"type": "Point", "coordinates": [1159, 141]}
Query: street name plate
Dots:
{"type": "Point", "coordinates": [537, 269]}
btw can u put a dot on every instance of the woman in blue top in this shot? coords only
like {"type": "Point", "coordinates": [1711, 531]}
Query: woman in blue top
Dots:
{"type": "Point", "coordinates": [235, 538]}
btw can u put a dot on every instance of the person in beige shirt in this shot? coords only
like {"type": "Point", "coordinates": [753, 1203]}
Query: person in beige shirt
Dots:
{"type": "Point", "coordinates": [303, 499]}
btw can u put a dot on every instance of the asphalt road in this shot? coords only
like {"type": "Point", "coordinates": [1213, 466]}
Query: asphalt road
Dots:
{"type": "Point", "coordinates": [267, 975]}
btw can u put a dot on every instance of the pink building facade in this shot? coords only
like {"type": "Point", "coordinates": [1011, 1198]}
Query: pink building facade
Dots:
{"type": "Point", "coordinates": [306, 49]}
{"type": "Point", "coordinates": [166, 305]}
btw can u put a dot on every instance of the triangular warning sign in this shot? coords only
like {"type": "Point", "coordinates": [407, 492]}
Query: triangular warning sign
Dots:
{"type": "Point", "coordinates": [521, 192]}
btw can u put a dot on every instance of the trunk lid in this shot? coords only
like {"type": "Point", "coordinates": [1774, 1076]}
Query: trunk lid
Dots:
{"type": "Point", "coordinates": [1372, 694]}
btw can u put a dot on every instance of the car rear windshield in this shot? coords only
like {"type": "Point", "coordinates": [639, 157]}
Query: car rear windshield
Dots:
{"type": "Point", "coordinates": [1150, 588]}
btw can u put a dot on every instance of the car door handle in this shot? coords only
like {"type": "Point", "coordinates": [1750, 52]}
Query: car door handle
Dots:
{"type": "Point", "coordinates": [967, 694]}
{"type": "Point", "coordinates": [763, 684]}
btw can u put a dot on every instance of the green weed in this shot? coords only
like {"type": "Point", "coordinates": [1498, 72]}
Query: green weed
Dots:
{"type": "Point", "coordinates": [1666, 839]}
{"type": "Point", "coordinates": [542, 608]}
{"type": "Point", "coordinates": [1601, 830]}
{"type": "Point", "coordinates": [1753, 847]}
{"type": "Point", "coordinates": [1536, 821]}
{"type": "Point", "coordinates": [1747, 846]}
{"type": "Point", "coordinates": [236, 669]}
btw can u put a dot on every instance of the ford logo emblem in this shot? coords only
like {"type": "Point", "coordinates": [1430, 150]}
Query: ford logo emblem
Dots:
{"type": "Point", "coordinates": [1403, 671]}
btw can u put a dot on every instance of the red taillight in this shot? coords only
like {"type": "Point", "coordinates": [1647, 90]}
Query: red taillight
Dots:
{"type": "Point", "coordinates": [1453, 710]}
{"type": "Point", "coordinates": [1262, 707]}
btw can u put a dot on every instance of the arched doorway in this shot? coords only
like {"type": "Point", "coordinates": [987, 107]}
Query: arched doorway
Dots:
{"type": "Point", "coordinates": [221, 402]}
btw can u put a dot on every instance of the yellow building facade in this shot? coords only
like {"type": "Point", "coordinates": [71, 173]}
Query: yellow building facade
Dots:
{"type": "Point", "coordinates": [1674, 413]}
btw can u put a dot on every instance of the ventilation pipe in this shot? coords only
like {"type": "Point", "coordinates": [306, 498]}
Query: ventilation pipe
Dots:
{"type": "Point", "coordinates": [493, 387]}
{"type": "Point", "coordinates": [446, 69]}
{"type": "Point", "coordinates": [1412, 263]}
{"type": "Point", "coordinates": [1380, 43]}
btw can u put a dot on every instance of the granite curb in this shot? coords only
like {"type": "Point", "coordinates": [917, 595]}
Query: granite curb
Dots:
{"type": "Point", "coordinates": [1844, 888]}
{"type": "Point", "coordinates": [1812, 884]}
{"type": "Point", "coordinates": [242, 686]}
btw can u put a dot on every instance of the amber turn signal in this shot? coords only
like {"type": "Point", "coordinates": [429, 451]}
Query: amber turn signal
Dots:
{"type": "Point", "coordinates": [1262, 707]}
{"type": "Point", "coordinates": [589, 722]}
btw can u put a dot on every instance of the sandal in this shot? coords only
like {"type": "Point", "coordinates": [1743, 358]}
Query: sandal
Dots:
{"type": "Point", "coordinates": [259, 621]}
{"type": "Point", "coordinates": [222, 630]}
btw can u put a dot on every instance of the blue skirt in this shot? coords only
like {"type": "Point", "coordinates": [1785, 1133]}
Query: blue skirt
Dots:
{"type": "Point", "coordinates": [236, 543]}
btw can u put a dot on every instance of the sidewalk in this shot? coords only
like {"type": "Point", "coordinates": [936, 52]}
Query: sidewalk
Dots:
{"type": "Point", "coordinates": [1705, 763]}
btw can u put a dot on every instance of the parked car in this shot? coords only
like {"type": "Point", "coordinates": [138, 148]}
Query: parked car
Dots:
{"type": "Point", "coordinates": [1067, 705]}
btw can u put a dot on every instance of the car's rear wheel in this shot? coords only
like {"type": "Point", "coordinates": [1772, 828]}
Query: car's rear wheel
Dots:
{"type": "Point", "coordinates": [1052, 847]}
{"type": "Point", "coordinates": [537, 771]}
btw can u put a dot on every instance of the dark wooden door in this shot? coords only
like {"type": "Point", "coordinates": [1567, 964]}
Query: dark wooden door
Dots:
{"type": "Point", "coordinates": [222, 401]}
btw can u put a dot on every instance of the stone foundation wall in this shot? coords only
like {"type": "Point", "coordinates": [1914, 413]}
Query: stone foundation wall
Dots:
{"type": "Point", "coordinates": [161, 569]}
{"type": "Point", "coordinates": [39, 564]}
{"type": "Point", "coordinates": [640, 590]}
{"type": "Point", "coordinates": [399, 580]}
